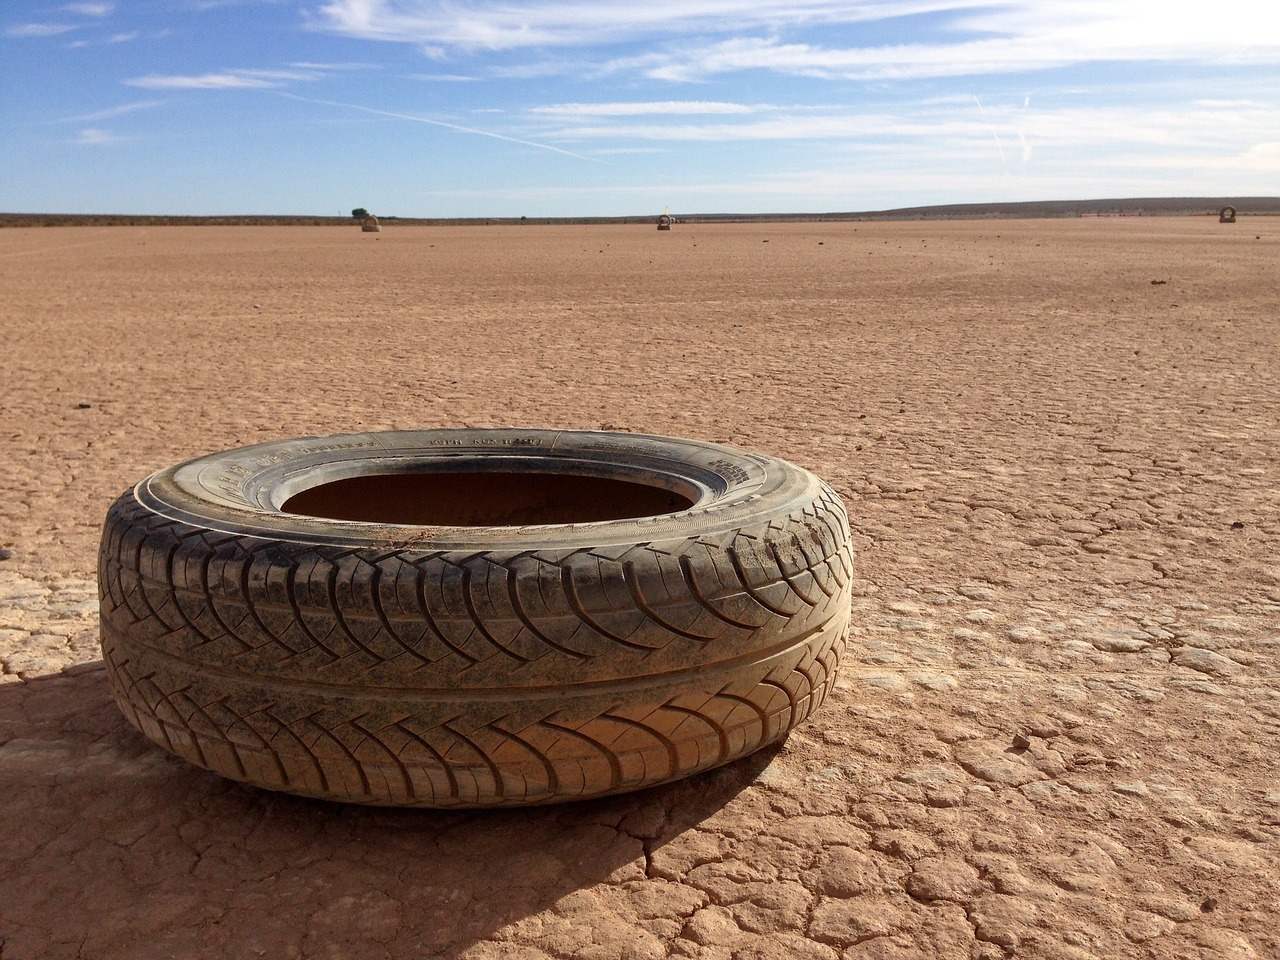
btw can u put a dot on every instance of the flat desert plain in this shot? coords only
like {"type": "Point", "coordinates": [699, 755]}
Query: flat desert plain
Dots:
{"type": "Point", "coordinates": [1057, 730]}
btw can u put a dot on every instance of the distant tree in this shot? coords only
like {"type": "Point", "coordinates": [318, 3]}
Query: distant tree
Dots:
{"type": "Point", "coordinates": [359, 213]}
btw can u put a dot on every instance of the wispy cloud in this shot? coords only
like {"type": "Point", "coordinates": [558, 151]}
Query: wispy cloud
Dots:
{"type": "Point", "coordinates": [627, 151]}
{"type": "Point", "coordinates": [111, 112]}
{"type": "Point", "coordinates": [498, 25]}
{"type": "Point", "coordinates": [38, 29]}
{"type": "Point", "coordinates": [126, 37]}
{"type": "Point", "coordinates": [205, 81]}
{"type": "Point", "coordinates": [953, 128]}
{"type": "Point", "coordinates": [90, 9]}
{"type": "Point", "coordinates": [204, 6]}
{"type": "Point", "coordinates": [929, 60]}
{"type": "Point", "coordinates": [306, 65]}
{"type": "Point", "coordinates": [443, 77]}
{"type": "Point", "coordinates": [968, 37]}
{"type": "Point", "coordinates": [50, 29]}
{"type": "Point", "coordinates": [623, 109]}
{"type": "Point", "coordinates": [282, 74]}
{"type": "Point", "coordinates": [97, 138]}
{"type": "Point", "coordinates": [245, 79]}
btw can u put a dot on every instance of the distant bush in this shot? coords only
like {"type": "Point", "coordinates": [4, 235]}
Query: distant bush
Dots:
{"type": "Point", "coordinates": [359, 213]}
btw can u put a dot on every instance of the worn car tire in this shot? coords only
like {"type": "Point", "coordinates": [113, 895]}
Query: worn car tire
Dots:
{"type": "Point", "coordinates": [432, 622]}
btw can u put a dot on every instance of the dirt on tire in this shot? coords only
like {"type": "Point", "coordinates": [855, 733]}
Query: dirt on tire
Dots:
{"type": "Point", "coordinates": [393, 663]}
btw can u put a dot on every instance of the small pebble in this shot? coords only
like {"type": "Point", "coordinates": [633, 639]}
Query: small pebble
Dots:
{"type": "Point", "coordinates": [84, 406]}
{"type": "Point", "coordinates": [1021, 742]}
{"type": "Point", "coordinates": [6, 554]}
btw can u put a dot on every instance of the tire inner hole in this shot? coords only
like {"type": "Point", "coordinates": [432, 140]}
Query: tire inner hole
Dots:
{"type": "Point", "coordinates": [488, 499]}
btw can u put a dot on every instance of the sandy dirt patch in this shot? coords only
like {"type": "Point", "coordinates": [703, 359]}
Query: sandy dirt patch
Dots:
{"type": "Point", "coordinates": [1056, 732]}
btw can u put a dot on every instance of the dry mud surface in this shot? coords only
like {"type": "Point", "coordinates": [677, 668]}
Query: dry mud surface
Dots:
{"type": "Point", "coordinates": [1055, 734]}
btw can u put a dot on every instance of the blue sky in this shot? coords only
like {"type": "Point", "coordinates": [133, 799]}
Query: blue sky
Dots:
{"type": "Point", "coordinates": [565, 107]}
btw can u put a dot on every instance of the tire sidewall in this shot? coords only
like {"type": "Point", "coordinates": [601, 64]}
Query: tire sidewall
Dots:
{"type": "Point", "coordinates": [241, 491]}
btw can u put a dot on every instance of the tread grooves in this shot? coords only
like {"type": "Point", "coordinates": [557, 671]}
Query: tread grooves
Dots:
{"type": "Point", "coordinates": [738, 569]}
{"type": "Point", "coordinates": [425, 608]}
{"type": "Point", "coordinates": [575, 604]}
{"type": "Point", "coordinates": [338, 618]}
{"type": "Point", "coordinates": [169, 698]}
{"type": "Point", "coordinates": [396, 762]}
{"type": "Point", "coordinates": [615, 768]}
{"type": "Point", "coordinates": [517, 606]}
{"type": "Point", "coordinates": [499, 786]}
{"type": "Point", "coordinates": [553, 779]}
{"type": "Point", "coordinates": [138, 588]}
{"type": "Point", "coordinates": [235, 750]}
{"type": "Point", "coordinates": [375, 598]}
{"type": "Point", "coordinates": [445, 766]}
{"type": "Point", "coordinates": [355, 761]}
{"type": "Point", "coordinates": [633, 585]}
{"type": "Point", "coordinates": [766, 682]}
{"type": "Point", "coordinates": [721, 736]}
{"type": "Point", "coordinates": [267, 749]}
{"type": "Point", "coordinates": [782, 571]}
{"type": "Point", "coordinates": [245, 567]}
{"type": "Point", "coordinates": [306, 749]}
{"type": "Point", "coordinates": [470, 601]}
{"type": "Point", "coordinates": [813, 567]}
{"type": "Point", "coordinates": [208, 601]}
{"type": "Point", "coordinates": [171, 573]}
{"type": "Point", "coordinates": [751, 705]}
{"type": "Point", "coordinates": [686, 567]}
{"type": "Point", "coordinates": [673, 753]}
{"type": "Point", "coordinates": [290, 591]}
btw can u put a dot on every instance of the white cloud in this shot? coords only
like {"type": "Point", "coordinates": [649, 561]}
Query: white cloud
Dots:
{"type": "Point", "coordinates": [1262, 156]}
{"type": "Point", "coordinates": [280, 74]}
{"type": "Point", "coordinates": [305, 65]}
{"type": "Point", "coordinates": [203, 6]}
{"type": "Point", "coordinates": [207, 81]}
{"type": "Point", "coordinates": [939, 136]}
{"type": "Point", "coordinates": [498, 25]}
{"type": "Point", "coordinates": [95, 138]}
{"type": "Point", "coordinates": [246, 79]}
{"type": "Point", "coordinates": [796, 127]}
{"type": "Point", "coordinates": [443, 77]}
{"type": "Point", "coordinates": [627, 151]}
{"type": "Point", "coordinates": [110, 112]}
{"type": "Point", "coordinates": [106, 41]}
{"type": "Point", "coordinates": [38, 29]}
{"type": "Point", "coordinates": [664, 107]}
{"type": "Point", "coordinates": [90, 9]}
{"type": "Point", "coordinates": [979, 37]}
{"type": "Point", "coordinates": [933, 60]}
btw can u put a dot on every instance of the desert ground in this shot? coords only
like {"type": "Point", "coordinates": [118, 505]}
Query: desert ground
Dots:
{"type": "Point", "coordinates": [1056, 732]}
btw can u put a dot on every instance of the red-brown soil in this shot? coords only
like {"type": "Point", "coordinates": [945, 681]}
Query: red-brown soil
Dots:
{"type": "Point", "coordinates": [1056, 732]}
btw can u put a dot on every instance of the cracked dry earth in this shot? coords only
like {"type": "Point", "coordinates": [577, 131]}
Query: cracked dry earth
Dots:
{"type": "Point", "coordinates": [1055, 733]}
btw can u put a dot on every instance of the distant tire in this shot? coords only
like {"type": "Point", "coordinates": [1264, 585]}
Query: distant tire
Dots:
{"type": "Point", "coordinates": [1227, 215]}
{"type": "Point", "coordinates": [473, 618]}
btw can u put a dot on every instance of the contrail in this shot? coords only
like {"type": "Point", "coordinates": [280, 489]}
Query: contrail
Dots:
{"type": "Point", "coordinates": [441, 123]}
{"type": "Point", "coordinates": [995, 136]}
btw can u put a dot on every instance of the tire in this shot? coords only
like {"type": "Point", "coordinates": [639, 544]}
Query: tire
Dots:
{"type": "Point", "coordinates": [385, 646]}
